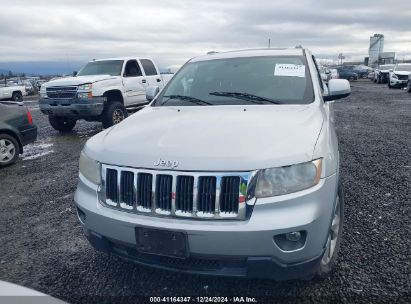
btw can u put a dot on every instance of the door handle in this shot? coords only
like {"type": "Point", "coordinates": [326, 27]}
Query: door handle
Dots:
{"type": "Point", "coordinates": [144, 81]}
{"type": "Point", "coordinates": [158, 80]}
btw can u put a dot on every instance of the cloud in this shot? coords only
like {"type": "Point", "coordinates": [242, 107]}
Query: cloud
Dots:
{"type": "Point", "coordinates": [174, 31]}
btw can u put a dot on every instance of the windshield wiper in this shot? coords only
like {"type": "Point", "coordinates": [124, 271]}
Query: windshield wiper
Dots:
{"type": "Point", "coordinates": [245, 96]}
{"type": "Point", "coordinates": [186, 98]}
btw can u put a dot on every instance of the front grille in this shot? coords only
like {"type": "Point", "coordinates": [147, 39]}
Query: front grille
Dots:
{"type": "Point", "coordinates": [62, 92]}
{"type": "Point", "coordinates": [402, 77]}
{"type": "Point", "coordinates": [161, 193]}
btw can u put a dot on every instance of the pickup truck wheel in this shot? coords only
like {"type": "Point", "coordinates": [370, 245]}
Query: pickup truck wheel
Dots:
{"type": "Point", "coordinates": [9, 150]}
{"type": "Point", "coordinates": [113, 114]}
{"type": "Point", "coordinates": [334, 237]}
{"type": "Point", "coordinates": [61, 123]}
{"type": "Point", "coordinates": [17, 96]}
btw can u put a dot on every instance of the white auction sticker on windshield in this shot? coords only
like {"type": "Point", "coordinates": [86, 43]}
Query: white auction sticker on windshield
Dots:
{"type": "Point", "coordinates": [293, 70]}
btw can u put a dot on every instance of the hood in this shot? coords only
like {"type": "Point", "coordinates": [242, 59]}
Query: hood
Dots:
{"type": "Point", "coordinates": [77, 80]}
{"type": "Point", "coordinates": [219, 138]}
{"type": "Point", "coordinates": [403, 73]}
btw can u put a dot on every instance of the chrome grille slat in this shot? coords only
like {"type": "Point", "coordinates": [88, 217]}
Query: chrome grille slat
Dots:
{"type": "Point", "coordinates": [202, 195]}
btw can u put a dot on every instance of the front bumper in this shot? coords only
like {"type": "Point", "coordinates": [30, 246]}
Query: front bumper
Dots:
{"type": "Point", "coordinates": [222, 247]}
{"type": "Point", "coordinates": [74, 107]}
{"type": "Point", "coordinates": [398, 82]}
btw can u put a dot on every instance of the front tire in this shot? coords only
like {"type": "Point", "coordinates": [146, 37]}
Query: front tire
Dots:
{"type": "Point", "coordinates": [332, 248]}
{"type": "Point", "coordinates": [17, 96]}
{"type": "Point", "coordinates": [113, 113]}
{"type": "Point", "coordinates": [9, 150]}
{"type": "Point", "coordinates": [389, 85]}
{"type": "Point", "coordinates": [61, 123]}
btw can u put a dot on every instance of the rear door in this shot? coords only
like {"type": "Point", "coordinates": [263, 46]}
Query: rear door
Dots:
{"type": "Point", "coordinates": [134, 83]}
{"type": "Point", "coordinates": [152, 74]}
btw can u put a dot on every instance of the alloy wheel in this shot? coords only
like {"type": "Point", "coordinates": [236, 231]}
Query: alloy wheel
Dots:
{"type": "Point", "coordinates": [333, 235]}
{"type": "Point", "coordinates": [7, 151]}
{"type": "Point", "coordinates": [118, 116]}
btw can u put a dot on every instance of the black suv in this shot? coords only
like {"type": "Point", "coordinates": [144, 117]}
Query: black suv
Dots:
{"type": "Point", "coordinates": [16, 130]}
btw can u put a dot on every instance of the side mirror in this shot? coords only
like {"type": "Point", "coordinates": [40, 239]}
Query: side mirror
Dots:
{"type": "Point", "coordinates": [337, 89]}
{"type": "Point", "coordinates": [151, 92]}
{"type": "Point", "coordinates": [391, 70]}
{"type": "Point", "coordinates": [74, 73]}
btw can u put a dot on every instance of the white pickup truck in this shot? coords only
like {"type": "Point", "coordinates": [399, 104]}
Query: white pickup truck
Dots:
{"type": "Point", "coordinates": [103, 90]}
{"type": "Point", "coordinates": [12, 92]}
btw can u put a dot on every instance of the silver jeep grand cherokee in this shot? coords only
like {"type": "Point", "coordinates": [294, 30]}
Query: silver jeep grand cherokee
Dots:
{"type": "Point", "coordinates": [231, 170]}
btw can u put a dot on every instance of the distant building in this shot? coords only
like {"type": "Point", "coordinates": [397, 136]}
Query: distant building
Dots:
{"type": "Point", "coordinates": [376, 48]}
{"type": "Point", "coordinates": [376, 53]}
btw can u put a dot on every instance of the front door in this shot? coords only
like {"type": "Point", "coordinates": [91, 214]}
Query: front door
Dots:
{"type": "Point", "coordinates": [134, 83]}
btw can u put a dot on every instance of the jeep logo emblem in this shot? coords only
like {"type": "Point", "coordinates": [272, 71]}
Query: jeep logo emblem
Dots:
{"type": "Point", "coordinates": [166, 163]}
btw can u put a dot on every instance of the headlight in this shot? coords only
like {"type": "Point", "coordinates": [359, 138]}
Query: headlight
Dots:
{"type": "Point", "coordinates": [90, 168]}
{"type": "Point", "coordinates": [85, 87]}
{"type": "Point", "coordinates": [284, 180]}
{"type": "Point", "coordinates": [84, 95]}
{"type": "Point", "coordinates": [394, 76]}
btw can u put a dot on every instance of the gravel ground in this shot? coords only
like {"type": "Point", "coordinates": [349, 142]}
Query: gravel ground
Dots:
{"type": "Point", "coordinates": [43, 247]}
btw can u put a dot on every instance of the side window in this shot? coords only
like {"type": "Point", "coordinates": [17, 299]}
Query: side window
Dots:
{"type": "Point", "coordinates": [132, 69]}
{"type": "Point", "coordinates": [320, 80]}
{"type": "Point", "coordinates": [148, 67]}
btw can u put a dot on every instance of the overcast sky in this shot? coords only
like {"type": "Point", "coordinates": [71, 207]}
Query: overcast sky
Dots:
{"type": "Point", "coordinates": [173, 31]}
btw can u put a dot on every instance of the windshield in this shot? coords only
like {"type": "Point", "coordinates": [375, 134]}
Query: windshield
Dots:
{"type": "Point", "coordinates": [240, 81]}
{"type": "Point", "coordinates": [387, 67]}
{"type": "Point", "coordinates": [405, 67]}
{"type": "Point", "coordinates": [104, 67]}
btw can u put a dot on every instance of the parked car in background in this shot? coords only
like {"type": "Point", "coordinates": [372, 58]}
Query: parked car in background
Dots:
{"type": "Point", "coordinates": [334, 74]}
{"type": "Point", "coordinates": [12, 91]}
{"type": "Point", "coordinates": [371, 75]}
{"type": "Point", "coordinates": [398, 77]}
{"type": "Point", "coordinates": [103, 90]}
{"type": "Point", "coordinates": [325, 74]}
{"type": "Point", "coordinates": [382, 73]}
{"type": "Point", "coordinates": [361, 70]}
{"type": "Point", "coordinates": [152, 191]}
{"type": "Point", "coordinates": [28, 86]}
{"type": "Point", "coordinates": [16, 131]}
{"type": "Point", "coordinates": [347, 73]}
